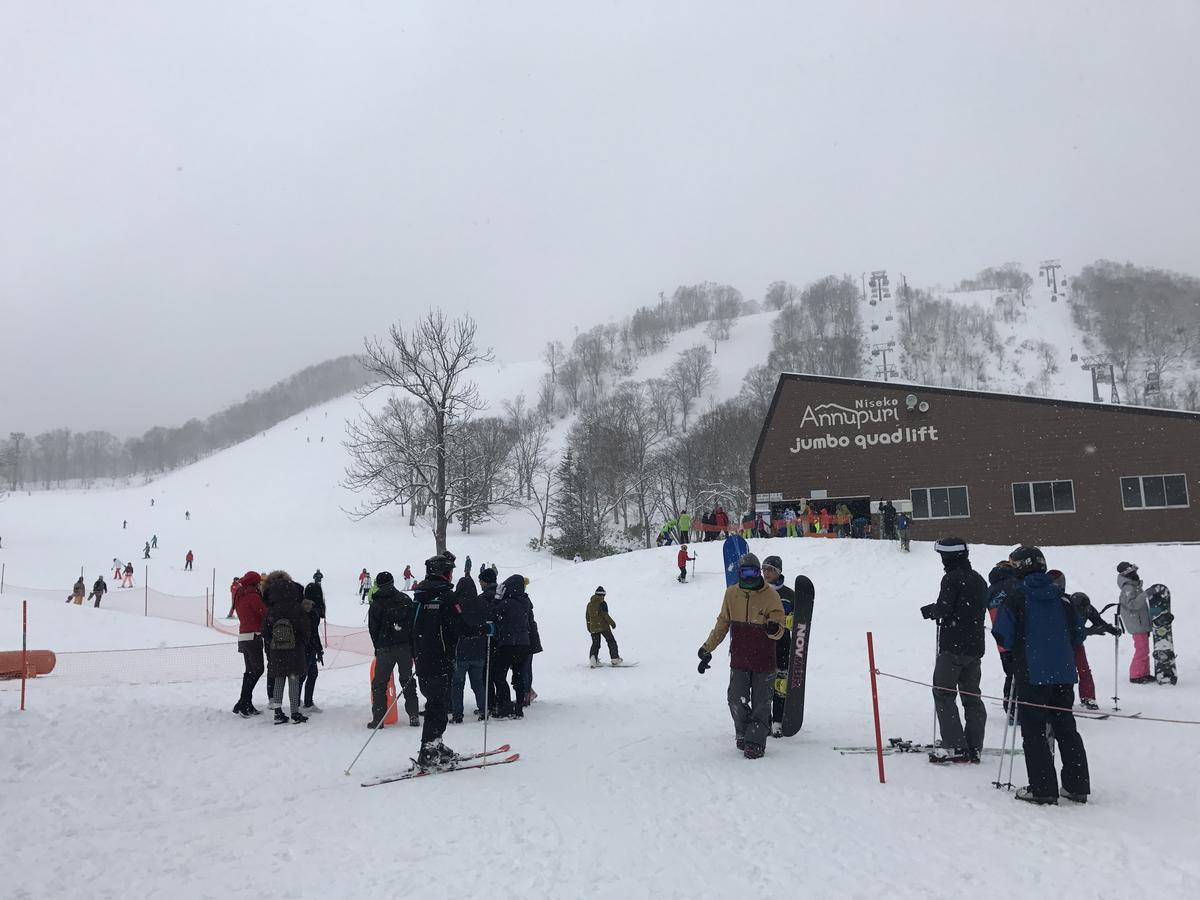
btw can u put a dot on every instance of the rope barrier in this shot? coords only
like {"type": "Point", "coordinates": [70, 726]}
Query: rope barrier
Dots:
{"type": "Point", "coordinates": [1136, 718]}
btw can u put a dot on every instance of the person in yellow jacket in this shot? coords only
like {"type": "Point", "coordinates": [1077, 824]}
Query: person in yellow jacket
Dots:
{"type": "Point", "coordinates": [753, 613]}
{"type": "Point", "coordinates": [600, 625]}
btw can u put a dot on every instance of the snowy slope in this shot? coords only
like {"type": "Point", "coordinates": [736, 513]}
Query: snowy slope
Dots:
{"type": "Point", "coordinates": [629, 784]}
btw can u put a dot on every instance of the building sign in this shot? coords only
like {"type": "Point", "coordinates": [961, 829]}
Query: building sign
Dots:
{"type": "Point", "coordinates": [868, 421]}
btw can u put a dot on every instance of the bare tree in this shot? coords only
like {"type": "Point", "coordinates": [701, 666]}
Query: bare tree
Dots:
{"type": "Point", "coordinates": [554, 355]}
{"type": "Point", "coordinates": [691, 375]}
{"type": "Point", "coordinates": [407, 447]}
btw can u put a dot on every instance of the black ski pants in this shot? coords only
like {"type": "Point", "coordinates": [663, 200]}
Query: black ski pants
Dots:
{"type": "Point", "coordinates": [308, 681]}
{"type": "Point", "coordinates": [749, 698]}
{"type": "Point", "coordinates": [608, 639]}
{"type": "Point", "coordinates": [1039, 762]}
{"type": "Point", "coordinates": [505, 659]}
{"type": "Point", "coordinates": [1006, 663]}
{"type": "Point", "coordinates": [252, 657]}
{"type": "Point", "coordinates": [954, 673]}
{"type": "Point", "coordinates": [436, 688]}
{"type": "Point", "coordinates": [464, 669]}
{"type": "Point", "coordinates": [399, 658]}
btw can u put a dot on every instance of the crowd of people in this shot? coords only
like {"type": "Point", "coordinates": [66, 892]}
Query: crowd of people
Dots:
{"type": "Point", "coordinates": [816, 519]}
{"type": "Point", "coordinates": [434, 640]}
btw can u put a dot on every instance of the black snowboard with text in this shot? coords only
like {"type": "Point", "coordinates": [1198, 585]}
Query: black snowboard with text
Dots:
{"type": "Point", "coordinates": [802, 611]}
{"type": "Point", "coordinates": [1163, 635]}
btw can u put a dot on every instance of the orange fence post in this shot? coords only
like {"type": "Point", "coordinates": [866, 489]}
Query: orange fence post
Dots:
{"type": "Point", "coordinates": [24, 648]}
{"type": "Point", "coordinates": [875, 705]}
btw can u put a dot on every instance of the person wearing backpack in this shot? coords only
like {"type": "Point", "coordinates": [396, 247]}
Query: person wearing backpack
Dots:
{"type": "Point", "coordinates": [289, 629]}
{"type": "Point", "coordinates": [390, 624]}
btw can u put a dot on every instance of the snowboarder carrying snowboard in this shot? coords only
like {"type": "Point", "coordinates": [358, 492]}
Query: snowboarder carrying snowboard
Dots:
{"type": "Point", "coordinates": [753, 612]}
{"type": "Point", "coordinates": [600, 625]}
{"type": "Point", "coordinates": [681, 560]}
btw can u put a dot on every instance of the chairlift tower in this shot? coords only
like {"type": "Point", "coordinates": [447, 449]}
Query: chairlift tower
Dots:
{"type": "Point", "coordinates": [1101, 368]}
{"type": "Point", "coordinates": [1048, 269]}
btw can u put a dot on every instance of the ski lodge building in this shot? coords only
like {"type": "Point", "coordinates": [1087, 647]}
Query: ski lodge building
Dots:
{"type": "Point", "coordinates": [990, 468]}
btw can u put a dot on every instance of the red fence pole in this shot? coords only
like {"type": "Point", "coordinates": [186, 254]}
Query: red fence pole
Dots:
{"type": "Point", "coordinates": [875, 705]}
{"type": "Point", "coordinates": [24, 648]}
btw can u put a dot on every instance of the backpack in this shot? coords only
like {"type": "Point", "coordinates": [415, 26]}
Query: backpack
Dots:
{"type": "Point", "coordinates": [283, 637]}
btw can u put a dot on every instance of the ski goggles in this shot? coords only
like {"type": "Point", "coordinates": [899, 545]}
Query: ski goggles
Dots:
{"type": "Point", "coordinates": [749, 573]}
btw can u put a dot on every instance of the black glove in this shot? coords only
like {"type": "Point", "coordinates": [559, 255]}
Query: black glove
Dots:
{"type": "Point", "coordinates": [929, 612]}
{"type": "Point", "coordinates": [705, 660]}
{"type": "Point", "coordinates": [321, 657]}
{"type": "Point", "coordinates": [772, 628]}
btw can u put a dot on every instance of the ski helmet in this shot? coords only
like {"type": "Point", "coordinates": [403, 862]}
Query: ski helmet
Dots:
{"type": "Point", "coordinates": [774, 562]}
{"type": "Point", "coordinates": [383, 579]}
{"type": "Point", "coordinates": [1059, 579]}
{"type": "Point", "coordinates": [1127, 568]}
{"type": "Point", "coordinates": [1027, 560]}
{"type": "Point", "coordinates": [439, 566]}
{"type": "Point", "coordinates": [952, 550]}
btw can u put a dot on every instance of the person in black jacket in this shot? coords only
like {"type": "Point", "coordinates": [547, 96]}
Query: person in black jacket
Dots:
{"type": "Point", "coordinates": [1002, 583]}
{"type": "Point", "coordinates": [99, 589]}
{"type": "Point", "coordinates": [772, 571]}
{"type": "Point", "coordinates": [958, 611]}
{"type": "Point", "coordinates": [514, 623]}
{"type": "Point", "coordinates": [390, 624]}
{"type": "Point", "coordinates": [471, 657]}
{"type": "Point", "coordinates": [439, 625]}
{"type": "Point", "coordinates": [314, 605]}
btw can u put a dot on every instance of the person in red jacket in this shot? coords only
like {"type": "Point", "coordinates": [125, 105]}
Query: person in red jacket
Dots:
{"type": "Point", "coordinates": [251, 612]}
{"type": "Point", "coordinates": [237, 583]}
{"type": "Point", "coordinates": [721, 520]}
{"type": "Point", "coordinates": [408, 578]}
{"type": "Point", "coordinates": [682, 560]}
{"type": "Point", "coordinates": [187, 561]}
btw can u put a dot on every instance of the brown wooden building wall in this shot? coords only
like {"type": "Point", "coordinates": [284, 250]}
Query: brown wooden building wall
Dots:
{"type": "Point", "coordinates": [985, 442]}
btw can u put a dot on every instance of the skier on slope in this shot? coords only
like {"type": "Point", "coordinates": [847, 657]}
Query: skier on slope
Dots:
{"type": "Point", "coordinates": [364, 585]}
{"type": "Point", "coordinates": [314, 605]}
{"type": "Point", "coordinates": [958, 611]}
{"type": "Point", "coordinates": [407, 576]}
{"type": "Point", "coordinates": [772, 569]}
{"type": "Point", "coordinates": [188, 560]}
{"type": "Point", "coordinates": [1040, 628]}
{"type": "Point", "coordinates": [753, 612]}
{"type": "Point", "coordinates": [437, 628]}
{"type": "Point", "coordinates": [600, 625]}
{"type": "Point", "coordinates": [390, 624]}
{"type": "Point", "coordinates": [154, 542]}
{"type": "Point", "coordinates": [146, 551]}
{"type": "Point", "coordinates": [681, 560]}
{"type": "Point", "coordinates": [1135, 618]}
{"type": "Point", "coordinates": [127, 575]}
{"type": "Point", "coordinates": [1003, 582]}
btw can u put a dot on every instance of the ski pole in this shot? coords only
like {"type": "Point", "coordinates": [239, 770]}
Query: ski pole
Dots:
{"type": "Point", "coordinates": [379, 724]}
{"type": "Point", "coordinates": [1015, 707]}
{"type": "Point", "coordinates": [937, 649]}
{"type": "Point", "coordinates": [487, 683]}
{"type": "Point", "coordinates": [1004, 740]}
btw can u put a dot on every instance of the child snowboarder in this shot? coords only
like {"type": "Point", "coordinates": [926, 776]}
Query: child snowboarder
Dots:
{"type": "Point", "coordinates": [682, 560]}
{"type": "Point", "coordinates": [127, 579]}
{"type": "Point", "coordinates": [600, 625]}
{"type": "Point", "coordinates": [1135, 617]}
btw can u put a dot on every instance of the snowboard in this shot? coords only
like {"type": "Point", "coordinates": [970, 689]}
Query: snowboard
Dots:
{"type": "Point", "coordinates": [802, 610]}
{"type": "Point", "coordinates": [1162, 633]}
{"type": "Point", "coordinates": [735, 548]}
{"type": "Point", "coordinates": [604, 665]}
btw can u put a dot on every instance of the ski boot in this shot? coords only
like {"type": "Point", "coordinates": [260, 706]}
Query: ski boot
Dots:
{"type": "Point", "coordinates": [616, 660]}
{"type": "Point", "coordinates": [251, 709]}
{"type": "Point", "coordinates": [241, 710]}
{"type": "Point", "coordinates": [1087, 703]}
{"type": "Point", "coordinates": [456, 720]}
{"type": "Point", "coordinates": [299, 718]}
{"type": "Point", "coordinates": [376, 723]}
{"type": "Point", "coordinates": [754, 751]}
{"type": "Point", "coordinates": [280, 717]}
{"type": "Point", "coordinates": [414, 721]}
{"type": "Point", "coordinates": [740, 743]}
{"type": "Point", "coordinates": [1026, 794]}
{"type": "Point", "coordinates": [777, 729]}
{"type": "Point", "coordinates": [593, 662]}
{"type": "Point", "coordinates": [1074, 798]}
{"type": "Point", "coordinates": [947, 755]}
{"type": "Point", "coordinates": [434, 757]}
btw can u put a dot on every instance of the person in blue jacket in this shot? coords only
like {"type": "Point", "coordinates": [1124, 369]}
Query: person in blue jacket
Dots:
{"type": "Point", "coordinates": [1041, 630]}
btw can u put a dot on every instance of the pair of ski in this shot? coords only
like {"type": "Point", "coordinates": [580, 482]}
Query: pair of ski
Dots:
{"type": "Point", "coordinates": [460, 764]}
{"type": "Point", "coordinates": [898, 745]}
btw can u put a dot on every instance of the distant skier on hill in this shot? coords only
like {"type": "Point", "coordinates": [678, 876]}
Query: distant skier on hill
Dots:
{"type": "Point", "coordinates": [154, 542]}
{"type": "Point", "coordinates": [146, 551]}
{"type": "Point", "coordinates": [364, 585]}
{"type": "Point", "coordinates": [187, 561]}
{"type": "Point", "coordinates": [600, 625]}
{"type": "Point", "coordinates": [127, 575]}
{"type": "Point", "coordinates": [681, 560]}
{"type": "Point", "coordinates": [408, 578]}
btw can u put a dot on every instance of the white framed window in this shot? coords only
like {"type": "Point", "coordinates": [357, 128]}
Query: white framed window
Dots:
{"type": "Point", "coordinates": [1154, 491]}
{"type": "Point", "coordinates": [1032, 498]}
{"type": "Point", "coordinates": [940, 503]}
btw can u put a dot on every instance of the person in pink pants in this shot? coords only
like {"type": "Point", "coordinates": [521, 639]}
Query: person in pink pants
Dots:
{"type": "Point", "coordinates": [1135, 616]}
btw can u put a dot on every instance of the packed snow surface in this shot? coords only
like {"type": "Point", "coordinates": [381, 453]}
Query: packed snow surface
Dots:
{"type": "Point", "coordinates": [628, 785]}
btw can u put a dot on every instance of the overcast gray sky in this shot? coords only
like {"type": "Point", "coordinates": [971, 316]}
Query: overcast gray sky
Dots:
{"type": "Point", "coordinates": [196, 199]}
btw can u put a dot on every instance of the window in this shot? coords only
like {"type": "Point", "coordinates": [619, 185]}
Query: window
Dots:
{"type": "Point", "coordinates": [1032, 497]}
{"type": "Point", "coordinates": [940, 503]}
{"type": "Point", "coordinates": [1154, 491]}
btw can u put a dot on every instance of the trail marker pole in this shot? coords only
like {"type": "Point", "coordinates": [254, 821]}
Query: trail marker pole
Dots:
{"type": "Point", "coordinates": [24, 648]}
{"type": "Point", "coordinates": [875, 706]}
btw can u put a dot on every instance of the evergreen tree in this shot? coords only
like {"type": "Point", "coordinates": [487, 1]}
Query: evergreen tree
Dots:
{"type": "Point", "coordinates": [572, 518]}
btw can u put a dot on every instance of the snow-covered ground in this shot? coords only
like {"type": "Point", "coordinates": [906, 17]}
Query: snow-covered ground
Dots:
{"type": "Point", "coordinates": [629, 785]}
